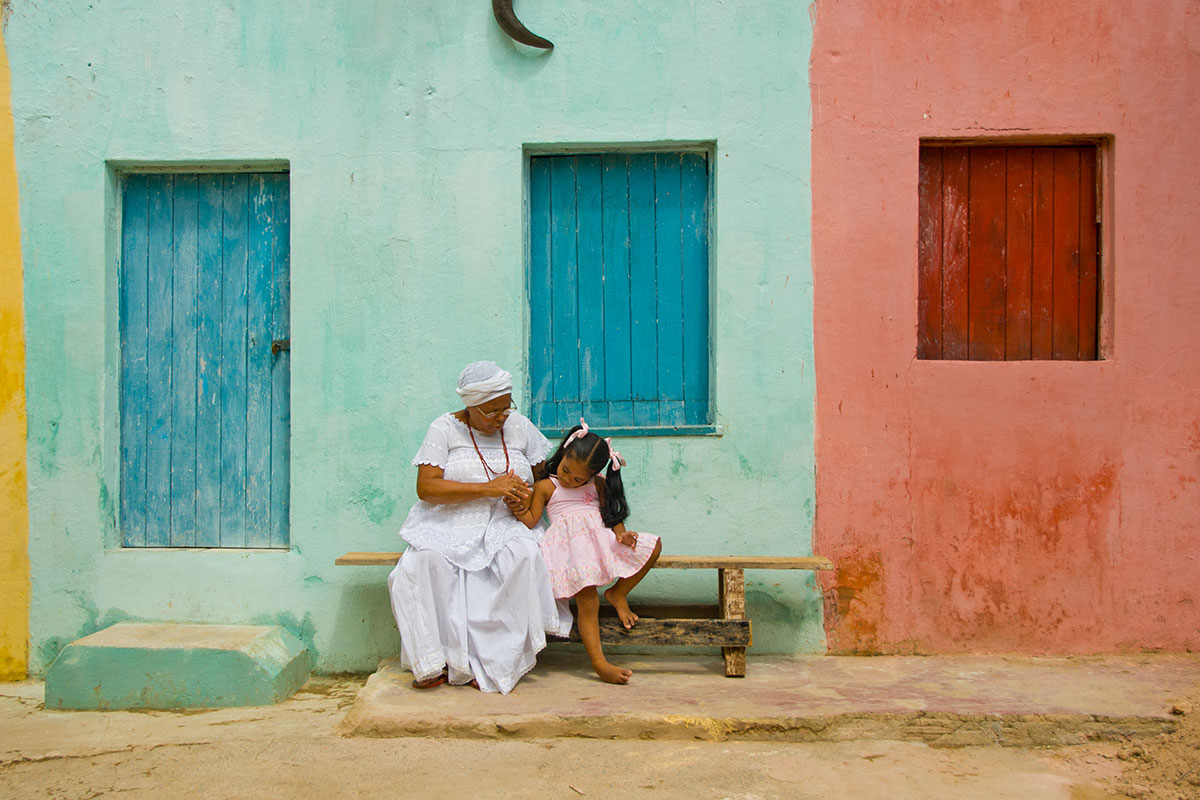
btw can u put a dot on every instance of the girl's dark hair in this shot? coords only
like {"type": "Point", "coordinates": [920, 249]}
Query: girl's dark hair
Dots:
{"type": "Point", "coordinates": [592, 451]}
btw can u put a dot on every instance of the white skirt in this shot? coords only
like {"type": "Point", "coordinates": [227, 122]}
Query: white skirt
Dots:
{"type": "Point", "coordinates": [487, 625]}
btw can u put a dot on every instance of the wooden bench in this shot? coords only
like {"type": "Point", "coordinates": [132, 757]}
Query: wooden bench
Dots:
{"type": "Point", "coordinates": [722, 625]}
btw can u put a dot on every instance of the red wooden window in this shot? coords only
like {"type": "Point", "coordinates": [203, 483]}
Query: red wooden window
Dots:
{"type": "Point", "coordinates": [1007, 249]}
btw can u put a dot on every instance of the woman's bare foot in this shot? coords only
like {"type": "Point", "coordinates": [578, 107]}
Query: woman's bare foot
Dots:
{"type": "Point", "coordinates": [618, 601]}
{"type": "Point", "coordinates": [613, 674]}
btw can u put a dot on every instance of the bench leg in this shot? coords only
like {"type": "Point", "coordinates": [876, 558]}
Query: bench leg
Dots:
{"type": "Point", "coordinates": [732, 592]}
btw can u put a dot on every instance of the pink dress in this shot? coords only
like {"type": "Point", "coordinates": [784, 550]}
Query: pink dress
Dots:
{"type": "Point", "coordinates": [579, 550]}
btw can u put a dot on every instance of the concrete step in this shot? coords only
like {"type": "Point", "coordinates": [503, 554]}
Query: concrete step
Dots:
{"type": "Point", "coordinates": [948, 701]}
{"type": "Point", "coordinates": [170, 665]}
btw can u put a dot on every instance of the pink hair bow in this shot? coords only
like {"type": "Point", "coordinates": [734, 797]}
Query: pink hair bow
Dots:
{"type": "Point", "coordinates": [579, 434]}
{"type": "Point", "coordinates": [617, 460]}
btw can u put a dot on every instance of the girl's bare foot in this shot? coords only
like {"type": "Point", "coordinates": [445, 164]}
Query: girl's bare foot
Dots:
{"type": "Point", "coordinates": [618, 601]}
{"type": "Point", "coordinates": [613, 674]}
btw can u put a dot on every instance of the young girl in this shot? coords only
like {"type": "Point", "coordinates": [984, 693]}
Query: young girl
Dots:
{"type": "Point", "coordinates": [587, 545]}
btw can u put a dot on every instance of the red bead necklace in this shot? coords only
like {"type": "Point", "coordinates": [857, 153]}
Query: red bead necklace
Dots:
{"type": "Point", "coordinates": [487, 470]}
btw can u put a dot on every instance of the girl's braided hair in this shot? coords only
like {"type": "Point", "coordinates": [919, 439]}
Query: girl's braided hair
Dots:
{"type": "Point", "coordinates": [593, 452]}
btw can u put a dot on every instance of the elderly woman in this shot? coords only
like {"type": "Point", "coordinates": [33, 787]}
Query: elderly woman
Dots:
{"type": "Point", "coordinates": [471, 595]}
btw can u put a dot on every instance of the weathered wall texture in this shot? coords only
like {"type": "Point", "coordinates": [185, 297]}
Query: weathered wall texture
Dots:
{"type": "Point", "coordinates": [14, 512]}
{"type": "Point", "coordinates": [1030, 506]}
{"type": "Point", "coordinates": [404, 124]}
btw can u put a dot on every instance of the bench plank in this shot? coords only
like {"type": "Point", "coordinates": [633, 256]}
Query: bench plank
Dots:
{"type": "Point", "coordinates": [732, 633]}
{"type": "Point", "coordinates": [664, 562]}
{"type": "Point", "coordinates": [663, 611]}
{"type": "Point", "coordinates": [368, 560]}
{"type": "Point", "coordinates": [744, 562]}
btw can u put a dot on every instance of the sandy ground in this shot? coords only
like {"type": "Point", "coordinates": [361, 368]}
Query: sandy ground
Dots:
{"type": "Point", "coordinates": [292, 749]}
{"type": "Point", "coordinates": [1165, 767]}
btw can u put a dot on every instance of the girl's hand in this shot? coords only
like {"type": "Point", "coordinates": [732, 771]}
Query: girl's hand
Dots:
{"type": "Point", "coordinates": [517, 507]}
{"type": "Point", "coordinates": [627, 538]}
{"type": "Point", "coordinates": [509, 487]}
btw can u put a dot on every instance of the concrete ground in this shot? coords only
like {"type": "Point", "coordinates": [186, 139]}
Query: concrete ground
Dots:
{"type": "Point", "coordinates": [929, 728]}
{"type": "Point", "coordinates": [944, 701]}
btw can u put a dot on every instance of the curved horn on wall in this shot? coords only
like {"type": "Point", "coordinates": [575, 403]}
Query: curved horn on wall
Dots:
{"type": "Point", "coordinates": [507, 18]}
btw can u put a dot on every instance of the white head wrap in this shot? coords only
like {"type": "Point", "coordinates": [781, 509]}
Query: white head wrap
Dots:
{"type": "Point", "coordinates": [483, 381]}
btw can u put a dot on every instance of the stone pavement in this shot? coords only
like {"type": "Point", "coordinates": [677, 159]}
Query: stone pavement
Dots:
{"type": "Point", "coordinates": [940, 700]}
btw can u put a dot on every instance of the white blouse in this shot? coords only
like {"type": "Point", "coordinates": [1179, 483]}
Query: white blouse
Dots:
{"type": "Point", "coordinates": [469, 534]}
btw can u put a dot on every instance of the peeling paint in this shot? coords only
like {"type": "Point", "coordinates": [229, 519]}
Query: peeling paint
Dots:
{"type": "Point", "coordinates": [378, 505]}
{"type": "Point", "coordinates": [303, 629]}
{"type": "Point", "coordinates": [854, 605]}
{"type": "Point", "coordinates": [677, 465]}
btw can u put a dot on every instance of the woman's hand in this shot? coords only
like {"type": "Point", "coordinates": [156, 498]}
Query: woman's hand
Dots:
{"type": "Point", "coordinates": [432, 487]}
{"type": "Point", "coordinates": [627, 538]}
{"type": "Point", "coordinates": [510, 487]}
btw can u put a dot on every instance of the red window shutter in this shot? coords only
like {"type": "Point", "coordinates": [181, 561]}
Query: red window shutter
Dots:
{"type": "Point", "coordinates": [1007, 252]}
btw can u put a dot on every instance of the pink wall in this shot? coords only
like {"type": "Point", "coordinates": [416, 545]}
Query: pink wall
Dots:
{"type": "Point", "coordinates": [1025, 506]}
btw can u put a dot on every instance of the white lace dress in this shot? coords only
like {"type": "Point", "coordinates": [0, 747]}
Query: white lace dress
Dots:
{"type": "Point", "coordinates": [472, 594]}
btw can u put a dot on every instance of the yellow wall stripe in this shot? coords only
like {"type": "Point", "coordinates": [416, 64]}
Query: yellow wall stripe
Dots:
{"type": "Point", "coordinates": [14, 508]}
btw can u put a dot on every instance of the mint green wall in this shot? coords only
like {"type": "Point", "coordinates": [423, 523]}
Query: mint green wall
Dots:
{"type": "Point", "coordinates": [404, 126]}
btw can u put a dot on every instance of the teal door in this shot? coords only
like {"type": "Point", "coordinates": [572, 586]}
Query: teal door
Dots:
{"type": "Point", "coordinates": [204, 360]}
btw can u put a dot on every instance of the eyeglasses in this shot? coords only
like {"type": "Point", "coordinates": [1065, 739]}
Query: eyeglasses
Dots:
{"type": "Point", "coordinates": [504, 412]}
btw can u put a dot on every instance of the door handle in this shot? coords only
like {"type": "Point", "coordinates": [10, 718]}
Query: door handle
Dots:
{"type": "Point", "coordinates": [280, 344]}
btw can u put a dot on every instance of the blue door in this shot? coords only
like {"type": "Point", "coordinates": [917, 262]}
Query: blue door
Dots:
{"type": "Point", "coordinates": [619, 290]}
{"type": "Point", "coordinates": [204, 360]}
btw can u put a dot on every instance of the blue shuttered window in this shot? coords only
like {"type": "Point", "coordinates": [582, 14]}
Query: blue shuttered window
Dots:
{"type": "Point", "coordinates": [619, 290]}
{"type": "Point", "coordinates": [204, 286]}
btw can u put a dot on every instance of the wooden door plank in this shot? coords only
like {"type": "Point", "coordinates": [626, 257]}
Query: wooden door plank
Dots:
{"type": "Point", "coordinates": [643, 301]}
{"type": "Point", "coordinates": [564, 289]}
{"type": "Point", "coordinates": [693, 191]}
{"type": "Point", "coordinates": [541, 318]}
{"type": "Point", "coordinates": [589, 210]}
{"type": "Point", "coordinates": [208, 362]}
{"type": "Point", "coordinates": [1018, 315]}
{"type": "Point", "coordinates": [185, 251]}
{"type": "Point", "coordinates": [259, 362]}
{"type": "Point", "coordinates": [281, 369]}
{"type": "Point", "coordinates": [986, 239]}
{"type": "Point", "coordinates": [1089, 277]}
{"type": "Point", "coordinates": [669, 282]}
{"type": "Point", "coordinates": [1042, 255]}
{"type": "Point", "coordinates": [617, 358]}
{"type": "Point", "coordinates": [134, 374]}
{"type": "Point", "coordinates": [955, 283]}
{"type": "Point", "coordinates": [929, 253]}
{"type": "Point", "coordinates": [234, 252]}
{"type": "Point", "coordinates": [1066, 253]}
{"type": "Point", "coordinates": [159, 361]}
